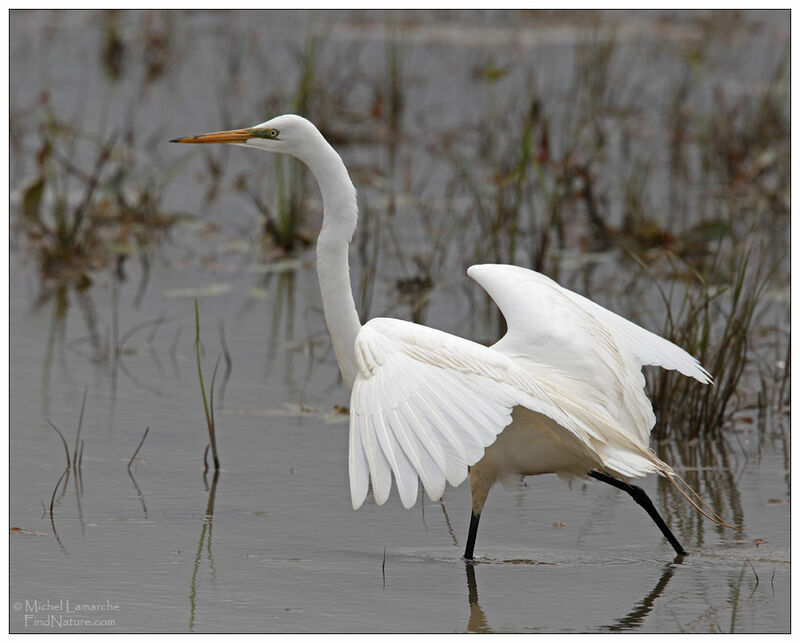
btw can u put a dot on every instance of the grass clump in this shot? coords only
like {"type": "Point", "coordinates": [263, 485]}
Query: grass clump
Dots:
{"type": "Point", "coordinates": [84, 208]}
{"type": "Point", "coordinates": [713, 322]}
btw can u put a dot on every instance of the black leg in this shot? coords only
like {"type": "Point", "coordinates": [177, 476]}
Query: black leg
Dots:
{"type": "Point", "coordinates": [641, 498]}
{"type": "Point", "coordinates": [473, 533]}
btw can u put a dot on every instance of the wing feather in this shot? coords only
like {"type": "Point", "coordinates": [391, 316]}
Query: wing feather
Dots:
{"type": "Point", "coordinates": [594, 353]}
{"type": "Point", "coordinates": [455, 457]}
{"type": "Point", "coordinates": [358, 467]}
{"type": "Point", "coordinates": [379, 469]}
{"type": "Point", "coordinates": [404, 474]}
{"type": "Point", "coordinates": [430, 453]}
{"type": "Point", "coordinates": [515, 290]}
{"type": "Point", "coordinates": [455, 402]}
{"type": "Point", "coordinates": [415, 454]}
{"type": "Point", "coordinates": [427, 404]}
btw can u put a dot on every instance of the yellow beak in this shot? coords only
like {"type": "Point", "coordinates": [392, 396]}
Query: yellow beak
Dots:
{"type": "Point", "coordinates": [229, 136]}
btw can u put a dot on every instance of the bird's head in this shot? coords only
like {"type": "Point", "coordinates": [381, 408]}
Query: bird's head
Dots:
{"type": "Point", "coordinates": [286, 134]}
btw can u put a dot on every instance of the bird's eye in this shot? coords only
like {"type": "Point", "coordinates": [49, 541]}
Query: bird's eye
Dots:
{"type": "Point", "coordinates": [273, 133]}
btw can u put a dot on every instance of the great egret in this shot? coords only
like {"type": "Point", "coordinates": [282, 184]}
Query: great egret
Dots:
{"type": "Point", "coordinates": [562, 392]}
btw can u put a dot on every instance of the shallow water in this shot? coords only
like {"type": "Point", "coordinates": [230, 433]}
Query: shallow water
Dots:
{"type": "Point", "coordinates": [285, 552]}
{"type": "Point", "coordinates": [272, 544]}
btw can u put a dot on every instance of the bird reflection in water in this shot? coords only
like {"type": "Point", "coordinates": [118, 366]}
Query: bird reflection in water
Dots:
{"type": "Point", "coordinates": [636, 616]}
{"type": "Point", "coordinates": [478, 623]}
{"type": "Point", "coordinates": [477, 618]}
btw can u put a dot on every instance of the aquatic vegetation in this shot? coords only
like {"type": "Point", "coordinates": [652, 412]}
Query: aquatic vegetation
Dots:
{"type": "Point", "coordinates": [78, 216]}
{"type": "Point", "coordinates": [283, 207]}
{"type": "Point", "coordinates": [531, 181]}
{"type": "Point", "coordinates": [714, 322]}
{"type": "Point", "coordinates": [208, 401]}
{"type": "Point", "coordinates": [524, 189]}
{"type": "Point", "coordinates": [73, 466]}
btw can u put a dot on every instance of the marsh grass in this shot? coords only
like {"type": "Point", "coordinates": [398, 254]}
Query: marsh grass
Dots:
{"type": "Point", "coordinates": [208, 401]}
{"type": "Point", "coordinates": [526, 184]}
{"type": "Point", "coordinates": [281, 204]}
{"type": "Point", "coordinates": [604, 164]}
{"type": "Point", "coordinates": [498, 201]}
{"type": "Point", "coordinates": [728, 187]}
{"type": "Point", "coordinates": [713, 322]}
{"type": "Point", "coordinates": [208, 518]}
{"type": "Point", "coordinates": [84, 208]}
{"type": "Point", "coordinates": [138, 448]}
{"type": "Point", "coordinates": [73, 466]}
{"type": "Point", "coordinates": [136, 487]}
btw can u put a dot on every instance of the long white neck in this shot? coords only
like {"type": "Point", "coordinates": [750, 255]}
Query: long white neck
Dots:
{"type": "Point", "coordinates": [340, 213]}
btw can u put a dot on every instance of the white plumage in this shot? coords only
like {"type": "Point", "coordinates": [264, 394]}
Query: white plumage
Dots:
{"type": "Point", "coordinates": [562, 392]}
{"type": "Point", "coordinates": [427, 404]}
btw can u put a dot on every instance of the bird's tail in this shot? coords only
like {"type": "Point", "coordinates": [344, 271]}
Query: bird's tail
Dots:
{"type": "Point", "coordinates": [685, 489]}
{"type": "Point", "coordinates": [694, 498]}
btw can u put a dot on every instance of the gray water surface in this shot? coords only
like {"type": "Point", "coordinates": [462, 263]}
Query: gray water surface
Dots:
{"type": "Point", "coordinates": [285, 552]}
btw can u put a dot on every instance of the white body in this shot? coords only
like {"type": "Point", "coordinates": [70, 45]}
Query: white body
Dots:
{"type": "Point", "coordinates": [563, 389]}
{"type": "Point", "coordinates": [562, 392]}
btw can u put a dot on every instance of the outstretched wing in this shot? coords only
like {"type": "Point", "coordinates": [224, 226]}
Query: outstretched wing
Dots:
{"type": "Point", "coordinates": [579, 338]}
{"type": "Point", "coordinates": [426, 404]}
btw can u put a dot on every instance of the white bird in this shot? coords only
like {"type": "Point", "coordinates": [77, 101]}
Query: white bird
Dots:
{"type": "Point", "coordinates": [562, 392]}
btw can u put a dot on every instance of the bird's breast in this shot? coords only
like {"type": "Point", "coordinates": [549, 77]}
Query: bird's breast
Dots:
{"type": "Point", "coordinates": [532, 445]}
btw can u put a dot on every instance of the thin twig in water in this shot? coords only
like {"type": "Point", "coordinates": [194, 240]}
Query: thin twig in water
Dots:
{"type": "Point", "coordinates": [65, 472]}
{"type": "Point", "coordinates": [756, 575]}
{"type": "Point", "coordinates": [211, 397]}
{"type": "Point", "coordinates": [61, 435]}
{"type": "Point", "coordinates": [209, 417]}
{"type": "Point", "coordinates": [130, 473]}
{"type": "Point", "coordinates": [61, 478]}
{"type": "Point", "coordinates": [383, 568]}
{"type": "Point", "coordinates": [79, 471]}
{"type": "Point", "coordinates": [78, 434]}
{"type": "Point", "coordinates": [135, 453]}
{"type": "Point", "coordinates": [63, 488]}
{"type": "Point", "coordinates": [228, 361]}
